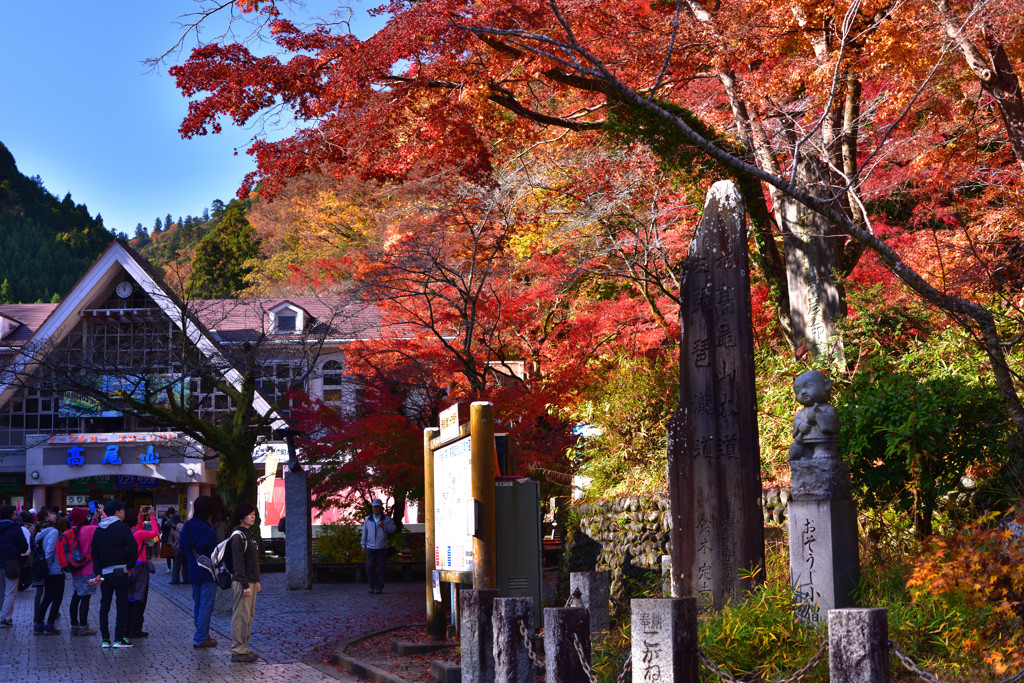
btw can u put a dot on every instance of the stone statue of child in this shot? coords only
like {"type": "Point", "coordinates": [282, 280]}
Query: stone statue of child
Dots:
{"type": "Point", "coordinates": [816, 426]}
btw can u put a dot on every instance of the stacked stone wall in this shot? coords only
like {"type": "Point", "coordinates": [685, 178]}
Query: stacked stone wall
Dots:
{"type": "Point", "coordinates": [628, 536]}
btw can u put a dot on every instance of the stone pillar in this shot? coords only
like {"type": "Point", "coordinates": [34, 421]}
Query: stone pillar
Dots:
{"type": "Point", "coordinates": [714, 471]}
{"type": "Point", "coordinates": [666, 577]}
{"type": "Point", "coordinates": [595, 591]}
{"type": "Point", "coordinates": [858, 646]}
{"type": "Point", "coordinates": [664, 642]}
{"type": "Point", "coordinates": [476, 613]}
{"type": "Point", "coordinates": [563, 626]}
{"type": "Point", "coordinates": [823, 555]}
{"type": "Point", "coordinates": [298, 536]}
{"type": "Point", "coordinates": [511, 662]}
{"type": "Point", "coordinates": [191, 493]}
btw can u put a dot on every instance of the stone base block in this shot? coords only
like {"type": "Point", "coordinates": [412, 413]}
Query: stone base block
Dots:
{"type": "Point", "coordinates": [443, 672]}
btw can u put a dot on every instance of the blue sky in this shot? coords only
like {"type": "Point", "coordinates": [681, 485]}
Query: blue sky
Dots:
{"type": "Point", "coordinates": [81, 110]}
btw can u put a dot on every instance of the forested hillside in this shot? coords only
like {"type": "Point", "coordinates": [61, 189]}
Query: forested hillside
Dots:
{"type": "Point", "coordinates": [46, 243]}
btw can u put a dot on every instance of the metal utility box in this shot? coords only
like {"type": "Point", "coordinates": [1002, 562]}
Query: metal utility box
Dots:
{"type": "Point", "coordinates": [518, 536]}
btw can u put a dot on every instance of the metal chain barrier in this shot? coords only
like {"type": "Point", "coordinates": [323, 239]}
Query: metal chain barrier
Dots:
{"type": "Point", "coordinates": [583, 659]}
{"type": "Point", "coordinates": [625, 669]}
{"type": "Point", "coordinates": [911, 666]}
{"type": "Point", "coordinates": [539, 665]}
{"type": "Point", "coordinates": [799, 675]}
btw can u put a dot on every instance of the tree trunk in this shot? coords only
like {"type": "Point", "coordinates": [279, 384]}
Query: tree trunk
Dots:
{"type": "Point", "coordinates": [815, 297]}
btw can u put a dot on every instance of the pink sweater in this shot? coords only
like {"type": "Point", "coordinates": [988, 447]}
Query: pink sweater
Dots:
{"type": "Point", "coordinates": [85, 534]}
{"type": "Point", "coordinates": [141, 536]}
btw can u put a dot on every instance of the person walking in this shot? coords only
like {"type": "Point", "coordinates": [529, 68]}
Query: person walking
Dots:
{"type": "Point", "coordinates": [198, 539]}
{"type": "Point", "coordinates": [167, 551]}
{"type": "Point", "coordinates": [113, 556]}
{"type": "Point", "coordinates": [377, 528]}
{"type": "Point", "coordinates": [178, 573]}
{"type": "Point", "coordinates": [49, 577]}
{"type": "Point", "coordinates": [245, 582]}
{"type": "Point", "coordinates": [138, 591]}
{"type": "Point", "coordinates": [82, 584]}
{"type": "Point", "coordinates": [28, 528]}
{"type": "Point", "coordinates": [13, 546]}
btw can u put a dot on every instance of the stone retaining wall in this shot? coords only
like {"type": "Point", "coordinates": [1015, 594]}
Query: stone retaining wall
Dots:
{"type": "Point", "coordinates": [627, 537]}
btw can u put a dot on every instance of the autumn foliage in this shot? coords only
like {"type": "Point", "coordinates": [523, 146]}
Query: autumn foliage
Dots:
{"type": "Point", "coordinates": [980, 568]}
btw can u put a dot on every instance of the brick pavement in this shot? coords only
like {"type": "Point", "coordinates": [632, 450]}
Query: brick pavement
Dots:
{"type": "Point", "coordinates": [293, 633]}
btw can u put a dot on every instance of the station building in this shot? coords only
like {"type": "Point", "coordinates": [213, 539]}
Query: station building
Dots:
{"type": "Point", "coordinates": [123, 329]}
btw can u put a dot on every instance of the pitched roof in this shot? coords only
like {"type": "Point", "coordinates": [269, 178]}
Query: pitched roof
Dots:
{"type": "Point", "coordinates": [238, 320]}
{"type": "Point", "coordinates": [31, 316]}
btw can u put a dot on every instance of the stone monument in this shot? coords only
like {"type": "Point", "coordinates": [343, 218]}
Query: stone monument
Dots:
{"type": "Point", "coordinates": [714, 472]}
{"type": "Point", "coordinates": [298, 539]}
{"type": "Point", "coordinates": [823, 554]}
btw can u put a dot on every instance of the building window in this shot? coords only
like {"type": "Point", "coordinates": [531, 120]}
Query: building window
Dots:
{"type": "Point", "coordinates": [333, 384]}
{"type": "Point", "coordinates": [286, 322]}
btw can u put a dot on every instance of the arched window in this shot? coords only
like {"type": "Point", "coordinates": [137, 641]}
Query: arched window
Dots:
{"type": "Point", "coordinates": [333, 383]}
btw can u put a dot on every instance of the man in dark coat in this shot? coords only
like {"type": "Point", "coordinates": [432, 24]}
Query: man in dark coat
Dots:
{"type": "Point", "coordinates": [114, 552]}
{"type": "Point", "coordinates": [12, 546]}
{"type": "Point", "coordinates": [198, 540]}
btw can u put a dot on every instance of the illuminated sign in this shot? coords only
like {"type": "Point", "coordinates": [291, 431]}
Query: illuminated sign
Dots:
{"type": "Point", "coordinates": [150, 457]}
{"type": "Point", "coordinates": [75, 456]}
{"type": "Point", "coordinates": [111, 457]}
{"type": "Point", "coordinates": [139, 437]}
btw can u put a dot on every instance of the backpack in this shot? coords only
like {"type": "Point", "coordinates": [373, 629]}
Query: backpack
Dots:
{"type": "Point", "coordinates": [40, 565]}
{"type": "Point", "coordinates": [221, 560]}
{"type": "Point", "coordinates": [69, 553]}
{"type": "Point", "coordinates": [174, 537]}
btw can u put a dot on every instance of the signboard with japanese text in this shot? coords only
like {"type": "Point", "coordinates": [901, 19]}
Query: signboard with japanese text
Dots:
{"type": "Point", "coordinates": [453, 507]}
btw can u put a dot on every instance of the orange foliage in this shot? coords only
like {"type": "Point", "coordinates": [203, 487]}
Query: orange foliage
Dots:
{"type": "Point", "coordinates": [985, 568]}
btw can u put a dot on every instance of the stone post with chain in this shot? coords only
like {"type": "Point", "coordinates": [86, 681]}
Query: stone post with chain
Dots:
{"type": "Point", "coordinates": [511, 657]}
{"type": "Point", "coordinates": [561, 661]}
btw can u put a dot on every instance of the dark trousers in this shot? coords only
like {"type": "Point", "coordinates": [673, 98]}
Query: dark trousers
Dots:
{"type": "Point", "coordinates": [50, 595]}
{"type": "Point", "coordinates": [114, 587]}
{"type": "Point", "coordinates": [179, 569]}
{"type": "Point", "coordinates": [375, 566]}
{"type": "Point", "coordinates": [137, 607]}
{"type": "Point", "coordinates": [80, 609]}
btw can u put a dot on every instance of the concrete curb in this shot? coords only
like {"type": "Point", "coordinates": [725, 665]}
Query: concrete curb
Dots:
{"type": "Point", "coordinates": [360, 668]}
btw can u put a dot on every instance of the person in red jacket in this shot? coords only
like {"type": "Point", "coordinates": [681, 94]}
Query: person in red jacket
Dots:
{"type": "Point", "coordinates": [82, 581]}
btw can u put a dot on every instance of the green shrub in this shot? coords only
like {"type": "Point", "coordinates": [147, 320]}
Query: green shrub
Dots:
{"type": "Point", "coordinates": [338, 543]}
{"type": "Point", "coordinates": [913, 426]}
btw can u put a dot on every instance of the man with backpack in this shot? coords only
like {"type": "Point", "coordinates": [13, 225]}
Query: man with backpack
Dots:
{"type": "Point", "coordinates": [198, 539]}
{"type": "Point", "coordinates": [244, 565]}
{"type": "Point", "coordinates": [12, 546]}
{"type": "Point", "coordinates": [113, 555]}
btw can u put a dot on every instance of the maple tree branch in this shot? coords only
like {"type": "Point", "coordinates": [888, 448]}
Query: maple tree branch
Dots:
{"type": "Point", "coordinates": [668, 52]}
{"type": "Point", "coordinates": [504, 97]}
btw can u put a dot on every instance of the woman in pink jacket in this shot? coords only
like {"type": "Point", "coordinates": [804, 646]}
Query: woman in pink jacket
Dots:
{"type": "Point", "coordinates": [138, 593]}
{"type": "Point", "coordinates": [83, 589]}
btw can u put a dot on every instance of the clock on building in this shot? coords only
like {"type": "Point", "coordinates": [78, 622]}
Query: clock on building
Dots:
{"type": "Point", "coordinates": [124, 289]}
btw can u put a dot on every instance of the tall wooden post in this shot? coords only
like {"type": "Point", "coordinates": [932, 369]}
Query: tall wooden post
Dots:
{"type": "Point", "coordinates": [436, 627]}
{"type": "Point", "coordinates": [481, 430]}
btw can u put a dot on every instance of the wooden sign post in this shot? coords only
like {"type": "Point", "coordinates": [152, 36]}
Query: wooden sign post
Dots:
{"type": "Point", "coordinates": [458, 464]}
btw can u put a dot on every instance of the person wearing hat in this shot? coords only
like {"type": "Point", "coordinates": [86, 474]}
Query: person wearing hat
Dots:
{"type": "Point", "coordinates": [81, 579]}
{"type": "Point", "coordinates": [377, 528]}
{"type": "Point", "coordinates": [113, 556]}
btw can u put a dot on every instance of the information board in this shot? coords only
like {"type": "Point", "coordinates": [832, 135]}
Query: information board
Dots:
{"type": "Point", "coordinates": [453, 507]}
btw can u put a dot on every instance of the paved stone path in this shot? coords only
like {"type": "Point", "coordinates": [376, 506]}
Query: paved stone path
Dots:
{"type": "Point", "coordinates": [294, 632]}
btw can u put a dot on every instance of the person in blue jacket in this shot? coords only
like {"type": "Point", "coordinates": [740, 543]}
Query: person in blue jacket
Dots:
{"type": "Point", "coordinates": [199, 539]}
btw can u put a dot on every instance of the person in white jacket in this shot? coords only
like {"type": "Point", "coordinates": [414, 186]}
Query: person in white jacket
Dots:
{"type": "Point", "coordinates": [377, 528]}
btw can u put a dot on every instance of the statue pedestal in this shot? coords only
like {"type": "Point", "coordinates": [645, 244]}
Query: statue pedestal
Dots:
{"type": "Point", "coordinates": [824, 558]}
{"type": "Point", "coordinates": [298, 537]}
